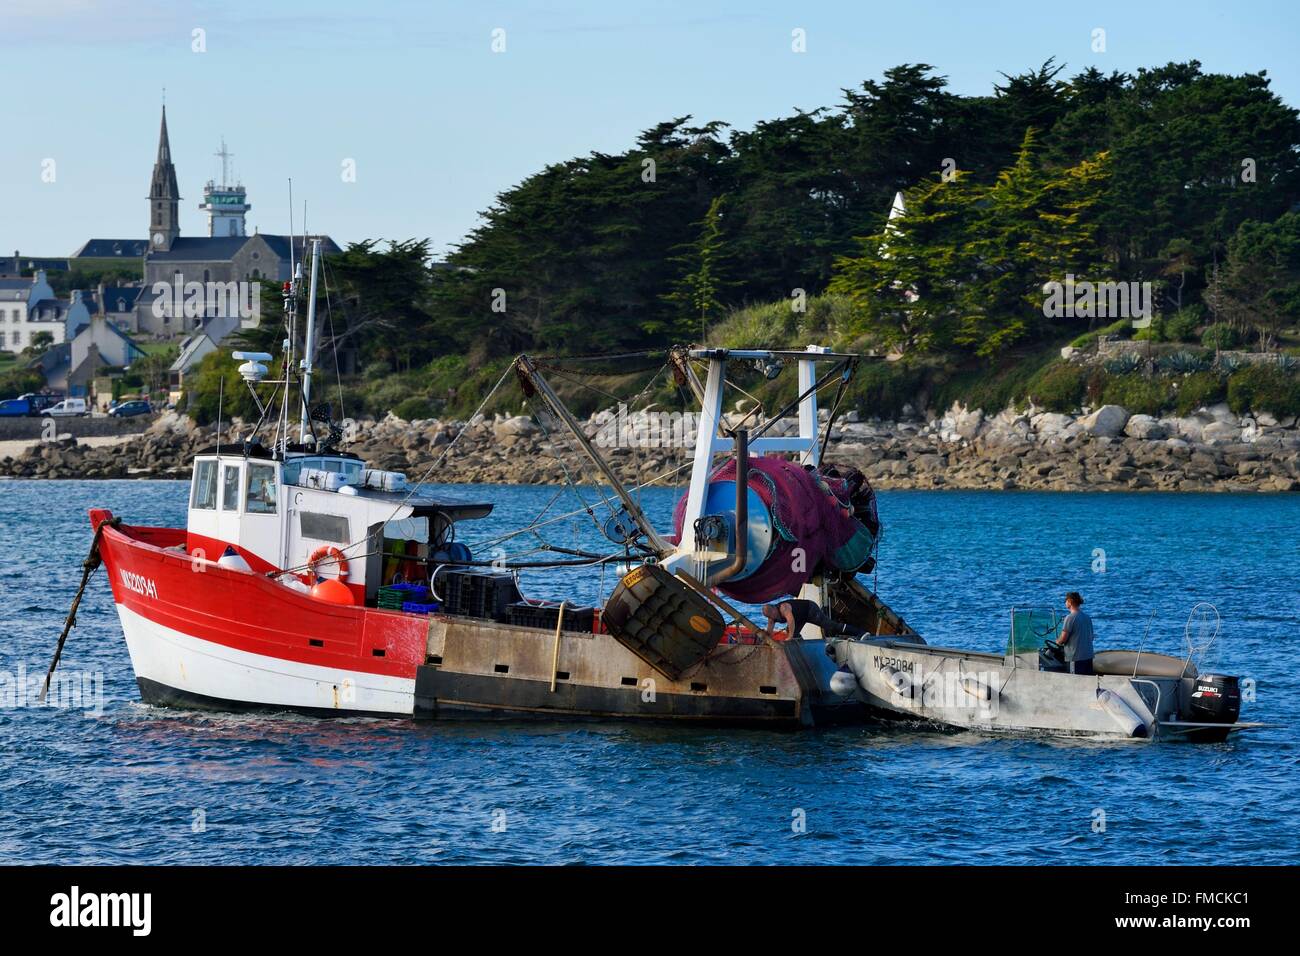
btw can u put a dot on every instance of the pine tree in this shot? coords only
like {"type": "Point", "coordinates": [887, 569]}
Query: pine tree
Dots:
{"type": "Point", "coordinates": [698, 292]}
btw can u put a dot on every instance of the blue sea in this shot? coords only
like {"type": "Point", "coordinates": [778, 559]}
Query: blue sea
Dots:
{"type": "Point", "coordinates": [135, 784]}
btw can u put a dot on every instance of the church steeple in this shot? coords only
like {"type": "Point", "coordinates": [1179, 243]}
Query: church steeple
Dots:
{"type": "Point", "coordinates": [164, 196]}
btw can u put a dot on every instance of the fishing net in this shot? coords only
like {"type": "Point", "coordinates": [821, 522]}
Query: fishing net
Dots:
{"type": "Point", "coordinates": [814, 528]}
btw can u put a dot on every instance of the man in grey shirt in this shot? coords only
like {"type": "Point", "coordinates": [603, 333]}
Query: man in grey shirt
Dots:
{"type": "Point", "coordinates": [1076, 636]}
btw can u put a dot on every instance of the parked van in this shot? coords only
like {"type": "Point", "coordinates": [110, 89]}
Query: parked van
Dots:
{"type": "Point", "coordinates": [67, 408]}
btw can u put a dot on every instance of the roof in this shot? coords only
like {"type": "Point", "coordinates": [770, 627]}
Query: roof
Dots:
{"type": "Point", "coordinates": [52, 357]}
{"type": "Point", "coordinates": [201, 249]}
{"type": "Point", "coordinates": [127, 294]}
{"type": "Point", "coordinates": [112, 249]}
{"type": "Point", "coordinates": [191, 346]}
{"type": "Point", "coordinates": [58, 307]}
{"type": "Point", "coordinates": [280, 245]}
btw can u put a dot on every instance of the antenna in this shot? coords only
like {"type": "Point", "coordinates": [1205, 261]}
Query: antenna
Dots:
{"type": "Point", "coordinates": [225, 155]}
{"type": "Point", "coordinates": [221, 394]}
{"type": "Point", "coordinates": [291, 263]}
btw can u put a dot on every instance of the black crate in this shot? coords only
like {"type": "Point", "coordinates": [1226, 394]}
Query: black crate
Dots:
{"type": "Point", "coordinates": [477, 592]}
{"type": "Point", "coordinates": [545, 614]}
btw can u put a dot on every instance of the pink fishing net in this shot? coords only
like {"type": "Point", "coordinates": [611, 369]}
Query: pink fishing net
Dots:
{"type": "Point", "coordinates": [807, 514]}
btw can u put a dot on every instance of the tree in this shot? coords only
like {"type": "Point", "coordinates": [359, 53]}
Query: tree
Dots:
{"type": "Point", "coordinates": [966, 265]}
{"type": "Point", "coordinates": [1258, 286]}
{"type": "Point", "coordinates": [697, 293]}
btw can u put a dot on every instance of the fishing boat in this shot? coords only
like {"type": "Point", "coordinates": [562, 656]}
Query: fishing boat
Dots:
{"type": "Point", "coordinates": [1026, 690]}
{"type": "Point", "coordinates": [306, 581]}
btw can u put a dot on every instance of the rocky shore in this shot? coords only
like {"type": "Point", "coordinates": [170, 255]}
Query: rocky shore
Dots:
{"type": "Point", "coordinates": [1106, 450]}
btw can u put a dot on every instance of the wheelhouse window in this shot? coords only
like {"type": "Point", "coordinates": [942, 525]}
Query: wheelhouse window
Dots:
{"type": "Point", "coordinates": [261, 490]}
{"type": "Point", "coordinates": [204, 494]}
{"type": "Point", "coordinates": [229, 487]}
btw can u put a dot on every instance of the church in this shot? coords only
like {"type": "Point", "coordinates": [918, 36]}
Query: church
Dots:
{"type": "Point", "coordinates": [226, 254]}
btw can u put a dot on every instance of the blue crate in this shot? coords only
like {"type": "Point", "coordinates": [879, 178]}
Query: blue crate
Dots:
{"type": "Point", "coordinates": [412, 607]}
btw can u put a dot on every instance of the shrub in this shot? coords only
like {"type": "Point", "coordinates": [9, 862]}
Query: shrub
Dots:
{"type": "Point", "coordinates": [1137, 393]}
{"type": "Point", "coordinates": [1183, 363]}
{"type": "Point", "coordinates": [1058, 388]}
{"type": "Point", "coordinates": [883, 388]}
{"type": "Point", "coordinates": [1182, 325]}
{"type": "Point", "coordinates": [1124, 364]}
{"type": "Point", "coordinates": [1220, 336]}
{"type": "Point", "coordinates": [1263, 388]}
{"type": "Point", "coordinates": [1115, 328]}
{"type": "Point", "coordinates": [1201, 388]}
{"type": "Point", "coordinates": [413, 408]}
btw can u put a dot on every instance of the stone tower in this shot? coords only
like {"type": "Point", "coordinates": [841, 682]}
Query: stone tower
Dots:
{"type": "Point", "coordinates": [164, 196]}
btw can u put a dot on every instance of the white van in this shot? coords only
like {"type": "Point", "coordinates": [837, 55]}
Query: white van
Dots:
{"type": "Point", "coordinates": [67, 408]}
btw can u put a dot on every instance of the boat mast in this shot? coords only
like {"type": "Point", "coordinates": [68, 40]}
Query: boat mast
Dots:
{"type": "Point", "coordinates": [309, 346]}
{"type": "Point", "coordinates": [291, 328]}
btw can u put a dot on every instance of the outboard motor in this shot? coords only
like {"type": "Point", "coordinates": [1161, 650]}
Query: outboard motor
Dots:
{"type": "Point", "coordinates": [1211, 699]}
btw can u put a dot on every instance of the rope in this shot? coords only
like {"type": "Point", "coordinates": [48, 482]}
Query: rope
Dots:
{"type": "Point", "coordinates": [88, 568]}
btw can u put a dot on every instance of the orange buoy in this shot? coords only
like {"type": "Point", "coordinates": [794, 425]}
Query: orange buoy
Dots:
{"type": "Point", "coordinates": [332, 590]}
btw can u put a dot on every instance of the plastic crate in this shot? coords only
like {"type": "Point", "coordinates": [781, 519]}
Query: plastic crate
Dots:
{"type": "Point", "coordinates": [411, 607]}
{"type": "Point", "coordinates": [394, 596]}
{"type": "Point", "coordinates": [545, 615]}
{"type": "Point", "coordinates": [478, 593]}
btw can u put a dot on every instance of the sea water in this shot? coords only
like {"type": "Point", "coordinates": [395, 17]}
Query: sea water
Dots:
{"type": "Point", "coordinates": [107, 779]}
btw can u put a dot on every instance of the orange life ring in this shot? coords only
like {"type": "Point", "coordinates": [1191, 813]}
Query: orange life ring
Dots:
{"type": "Point", "coordinates": [335, 557]}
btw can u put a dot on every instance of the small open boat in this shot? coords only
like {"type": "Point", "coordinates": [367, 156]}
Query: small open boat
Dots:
{"type": "Point", "coordinates": [1132, 695]}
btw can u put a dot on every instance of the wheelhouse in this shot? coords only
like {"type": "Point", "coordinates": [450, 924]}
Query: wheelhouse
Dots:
{"type": "Point", "coordinates": [276, 514]}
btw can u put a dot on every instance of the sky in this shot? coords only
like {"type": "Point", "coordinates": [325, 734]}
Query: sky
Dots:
{"type": "Point", "coordinates": [411, 95]}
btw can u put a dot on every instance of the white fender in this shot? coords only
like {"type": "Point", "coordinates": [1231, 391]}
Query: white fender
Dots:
{"type": "Point", "coordinates": [843, 683]}
{"type": "Point", "coordinates": [232, 560]}
{"type": "Point", "coordinates": [1119, 711]}
{"type": "Point", "coordinates": [899, 682]}
{"type": "Point", "coordinates": [977, 688]}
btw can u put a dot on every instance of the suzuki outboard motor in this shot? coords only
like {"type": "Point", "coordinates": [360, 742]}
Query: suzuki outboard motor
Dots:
{"type": "Point", "coordinates": [1211, 699]}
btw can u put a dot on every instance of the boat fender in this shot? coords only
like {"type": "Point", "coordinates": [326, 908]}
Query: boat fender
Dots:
{"type": "Point", "coordinates": [231, 560]}
{"type": "Point", "coordinates": [329, 555]}
{"type": "Point", "coordinates": [843, 684]}
{"type": "Point", "coordinates": [1119, 711]}
{"type": "Point", "coordinates": [899, 682]}
{"type": "Point", "coordinates": [977, 688]}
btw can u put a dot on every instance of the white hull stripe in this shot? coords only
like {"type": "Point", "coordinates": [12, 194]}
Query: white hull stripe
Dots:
{"type": "Point", "coordinates": [195, 666]}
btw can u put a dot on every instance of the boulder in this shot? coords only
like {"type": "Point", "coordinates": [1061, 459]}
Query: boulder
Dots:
{"type": "Point", "coordinates": [1221, 413]}
{"type": "Point", "coordinates": [1052, 424]}
{"type": "Point", "coordinates": [519, 426]}
{"type": "Point", "coordinates": [1221, 431]}
{"type": "Point", "coordinates": [1189, 428]}
{"type": "Point", "coordinates": [1145, 427]}
{"type": "Point", "coordinates": [1107, 421]}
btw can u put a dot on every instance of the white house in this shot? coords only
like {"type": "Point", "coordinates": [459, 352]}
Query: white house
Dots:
{"type": "Point", "coordinates": [28, 307]}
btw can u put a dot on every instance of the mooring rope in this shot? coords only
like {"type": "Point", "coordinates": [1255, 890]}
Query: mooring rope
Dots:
{"type": "Point", "coordinates": [88, 567]}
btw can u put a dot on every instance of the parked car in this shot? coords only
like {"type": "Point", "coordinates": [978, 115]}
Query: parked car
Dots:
{"type": "Point", "coordinates": [14, 407]}
{"type": "Point", "coordinates": [67, 408]}
{"type": "Point", "coordinates": [40, 401]}
{"type": "Point", "coordinates": [132, 408]}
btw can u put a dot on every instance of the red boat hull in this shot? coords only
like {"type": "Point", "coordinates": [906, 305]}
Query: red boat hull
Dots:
{"type": "Point", "coordinates": [201, 635]}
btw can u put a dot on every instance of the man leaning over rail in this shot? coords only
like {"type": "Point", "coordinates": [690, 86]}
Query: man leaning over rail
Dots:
{"type": "Point", "coordinates": [797, 612]}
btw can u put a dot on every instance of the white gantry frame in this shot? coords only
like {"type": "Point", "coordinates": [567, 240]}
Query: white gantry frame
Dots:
{"type": "Point", "coordinates": [711, 442]}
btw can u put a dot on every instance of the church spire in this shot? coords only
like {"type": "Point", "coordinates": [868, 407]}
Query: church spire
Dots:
{"type": "Point", "coordinates": [164, 195]}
